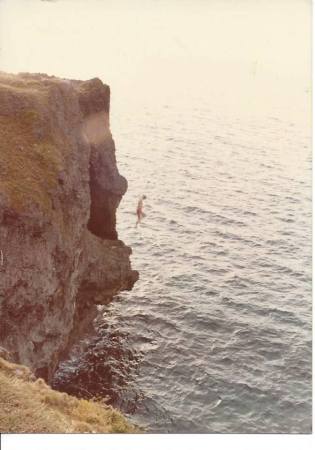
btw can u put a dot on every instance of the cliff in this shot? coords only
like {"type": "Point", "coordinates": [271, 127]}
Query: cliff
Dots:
{"type": "Point", "coordinates": [59, 191]}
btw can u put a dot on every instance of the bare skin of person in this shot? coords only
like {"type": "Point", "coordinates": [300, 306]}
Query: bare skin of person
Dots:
{"type": "Point", "coordinates": [140, 213]}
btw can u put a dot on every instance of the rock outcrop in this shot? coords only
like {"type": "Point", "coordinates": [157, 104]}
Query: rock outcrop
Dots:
{"type": "Point", "coordinates": [59, 191]}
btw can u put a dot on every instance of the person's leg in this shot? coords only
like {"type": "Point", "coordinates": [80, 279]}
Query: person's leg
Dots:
{"type": "Point", "coordinates": [138, 218]}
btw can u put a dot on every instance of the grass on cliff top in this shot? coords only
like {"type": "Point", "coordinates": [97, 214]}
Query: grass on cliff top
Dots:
{"type": "Point", "coordinates": [33, 407]}
{"type": "Point", "coordinates": [28, 165]}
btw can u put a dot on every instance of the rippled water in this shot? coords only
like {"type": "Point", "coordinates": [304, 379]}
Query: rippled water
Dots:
{"type": "Point", "coordinates": [216, 335]}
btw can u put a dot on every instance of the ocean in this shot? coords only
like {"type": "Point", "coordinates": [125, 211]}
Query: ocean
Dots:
{"type": "Point", "coordinates": [216, 335]}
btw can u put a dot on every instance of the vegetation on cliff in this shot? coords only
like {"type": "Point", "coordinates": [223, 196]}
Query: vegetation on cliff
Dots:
{"type": "Point", "coordinates": [29, 158]}
{"type": "Point", "coordinates": [29, 170]}
{"type": "Point", "coordinates": [31, 406]}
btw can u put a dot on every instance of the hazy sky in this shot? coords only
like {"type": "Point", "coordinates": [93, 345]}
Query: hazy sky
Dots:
{"type": "Point", "coordinates": [244, 54]}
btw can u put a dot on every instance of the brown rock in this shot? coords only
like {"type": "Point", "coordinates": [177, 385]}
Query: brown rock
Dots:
{"type": "Point", "coordinates": [59, 191]}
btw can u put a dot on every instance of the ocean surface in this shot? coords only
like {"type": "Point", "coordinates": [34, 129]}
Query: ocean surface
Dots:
{"type": "Point", "coordinates": [210, 112]}
{"type": "Point", "coordinates": [216, 335]}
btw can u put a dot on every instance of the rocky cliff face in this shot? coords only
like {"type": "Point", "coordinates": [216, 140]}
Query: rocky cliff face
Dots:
{"type": "Point", "coordinates": [59, 190]}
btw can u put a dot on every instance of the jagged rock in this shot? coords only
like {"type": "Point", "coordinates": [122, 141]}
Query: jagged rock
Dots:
{"type": "Point", "coordinates": [59, 191]}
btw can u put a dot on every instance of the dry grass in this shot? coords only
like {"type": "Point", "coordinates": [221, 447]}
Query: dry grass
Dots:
{"type": "Point", "coordinates": [33, 407]}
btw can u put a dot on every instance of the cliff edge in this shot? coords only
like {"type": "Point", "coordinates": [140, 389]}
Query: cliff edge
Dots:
{"type": "Point", "coordinates": [31, 406]}
{"type": "Point", "coordinates": [59, 191]}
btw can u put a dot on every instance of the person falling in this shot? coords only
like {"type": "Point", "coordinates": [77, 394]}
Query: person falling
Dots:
{"type": "Point", "coordinates": [140, 213]}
